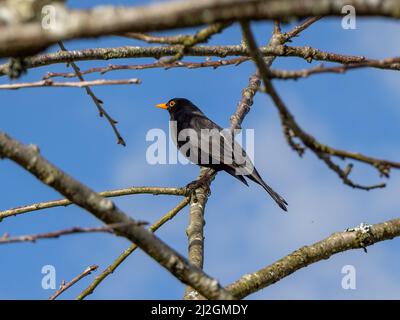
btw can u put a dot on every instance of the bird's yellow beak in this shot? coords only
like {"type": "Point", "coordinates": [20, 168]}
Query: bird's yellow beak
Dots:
{"type": "Point", "coordinates": [162, 106]}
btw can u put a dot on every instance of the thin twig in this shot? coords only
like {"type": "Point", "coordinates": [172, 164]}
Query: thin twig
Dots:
{"type": "Point", "coordinates": [64, 286]}
{"type": "Point", "coordinates": [171, 40]}
{"type": "Point", "coordinates": [6, 239]}
{"type": "Point", "coordinates": [97, 101]}
{"type": "Point", "coordinates": [387, 64]}
{"type": "Point", "coordinates": [201, 36]}
{"type": "Point", "coordinates": [80, 84]}
{"type": "Point", "coordinates": [108, 194]}
{"type": "Point", "coordinates": [181, 39]}
{"type": "Point", "coordinates": [299, 28]}
{"type": "Point", "coordinates": [178, 64]}
{"type": "Point", "coordinates": [111, 268]}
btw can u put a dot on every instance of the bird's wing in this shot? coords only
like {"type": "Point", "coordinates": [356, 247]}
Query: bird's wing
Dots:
{"type": "Point", "coordinates": [218, 146]}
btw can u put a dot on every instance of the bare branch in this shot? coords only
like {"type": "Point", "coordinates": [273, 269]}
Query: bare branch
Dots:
{"type": "Point", "coordinates": [195, 230]}
{"type": "Point", "coordinates": [178, 64]}
{"type": "Point", "coordinates": [29, 158]}
{"type": "Point", "coordinates": [387, 63]}
{"type": "Point", "coordinates": [292, 129]}
{"type": "Point", "coordinates": [171, 40]}
{"type": "Point", "coordinates": [201, 36]}
{"type": "Point", "coordinates": [111, 268]}
{"type": "Point", "coordinates": [299, 28]}
{"type": "Point", "coordinates": [359, 237]}
{"type": "Point", "coordinates": [186, 40]}
{"type": "Point", "coordinates": [64, 286]}
{"type": "Point", "coordinates": [97, 101]}
{"type": "Point", "coordinates": [80, 84]}
{"type": "Point", "coordinates": [246, 102]}
{"type": "Point", "coordinates": [307, 53]}
{"type": "Point", "coordinates": [23, 39]}
{"type": "Point", "coordinates": [5, 239]}
{"type": "Point", "coordinates": [107, 194]}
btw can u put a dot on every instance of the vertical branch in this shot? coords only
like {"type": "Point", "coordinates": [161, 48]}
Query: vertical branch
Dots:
{"type": "Point", "coordinates": [246, 102]}
{"type": "Point", "coordinates": [196, 214]}
{"type": "Point", "coordinates": [199, 199]}
{"type": "Point", "coordinates": [195, 230]}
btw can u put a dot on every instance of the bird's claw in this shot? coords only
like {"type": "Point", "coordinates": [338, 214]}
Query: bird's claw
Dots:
{"type": "Point", "coordinates": [203, 182]}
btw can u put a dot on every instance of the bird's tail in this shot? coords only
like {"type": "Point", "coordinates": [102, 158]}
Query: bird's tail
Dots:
{"type": "Point", "coordinates": [278, 199]}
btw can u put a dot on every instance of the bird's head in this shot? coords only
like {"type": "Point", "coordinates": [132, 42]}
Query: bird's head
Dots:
{"type": "Point", "coordinates": [178, 105]}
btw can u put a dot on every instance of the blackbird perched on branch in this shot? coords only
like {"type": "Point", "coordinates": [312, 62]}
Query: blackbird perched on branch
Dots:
{"type": "Point", "coordinates": [205, 143]}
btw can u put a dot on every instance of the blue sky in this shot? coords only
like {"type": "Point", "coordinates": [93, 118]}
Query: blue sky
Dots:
{"type": "Point", "coordinates": [356, 111]}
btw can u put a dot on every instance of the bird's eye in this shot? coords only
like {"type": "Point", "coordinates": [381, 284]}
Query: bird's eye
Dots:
{"type": "Point", "coordinates": [172, 103]}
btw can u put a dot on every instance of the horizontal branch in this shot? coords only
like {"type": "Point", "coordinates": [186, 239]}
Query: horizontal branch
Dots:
{"type": "Point", "coordinates": [157, 52]}
{"type": "Point", "coordinates": [29, 158]}
{"type": "Point", "coordinates": [177, 64]}
{"type": "Point", "coordinates": [171, 40]}
{"type": "Point", "coordinates": [387, 64]}
{"type": "Point", "coordinates": [23, 39]}
{"type": "Point", "coordinates": [5, 239]}
{"type": "Point", "coordinates": [359, 237]}
{"type": "Point", "coordinates": [187, 40]}
{"type": "Point", "coordinates": [78, 84]}
{"type": "Point", "coordinates": [107, 194]}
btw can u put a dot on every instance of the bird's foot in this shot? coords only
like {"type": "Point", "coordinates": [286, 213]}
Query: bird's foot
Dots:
{"type": "Point", "coordinates": [202, 182]}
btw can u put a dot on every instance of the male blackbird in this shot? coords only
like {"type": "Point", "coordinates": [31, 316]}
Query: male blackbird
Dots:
{"type": "Point", "coordinates": [205, 143]}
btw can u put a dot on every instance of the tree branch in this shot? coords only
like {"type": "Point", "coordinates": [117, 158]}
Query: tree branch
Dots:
{"type": "Point", "coordinates": [178, 64]}
{"type": "Point", "coordinates": [246, 102]}
{"type": "Point", "coordinates": [111, 268]}
{"type": "Point", "coordinates": [80, 84]}
{"type": "Point", "coordinates": [65, 286]}
{"type": "Point", "coordinates": [187, 40]}
{"type": "Point", "coordinates": [23, 39]}
{"type": "Point", "coordinates": [306, 52]}
{"type": "Point", "coordinates": [201, 36]}
{"type": "Point", "coordinates": [5, 239]}
{"type": "Point", "coordinates": [384, 64]}
{"type": "Point", "coordinates": [107, 194]}
{"type": "Point", "coordinates": [359, 237]}
{"type": "Point", "coordinates": [195, 230]}
{"type": "Point", "coordinates": [97, 101]}
{"type": "Point", "coordinates": [29, 158]}
{"type": "Point", "coordinates": [292, 129]}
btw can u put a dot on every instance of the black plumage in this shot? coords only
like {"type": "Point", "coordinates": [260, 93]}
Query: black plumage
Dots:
{"type": "Point", "coordinates": [214, 147]}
